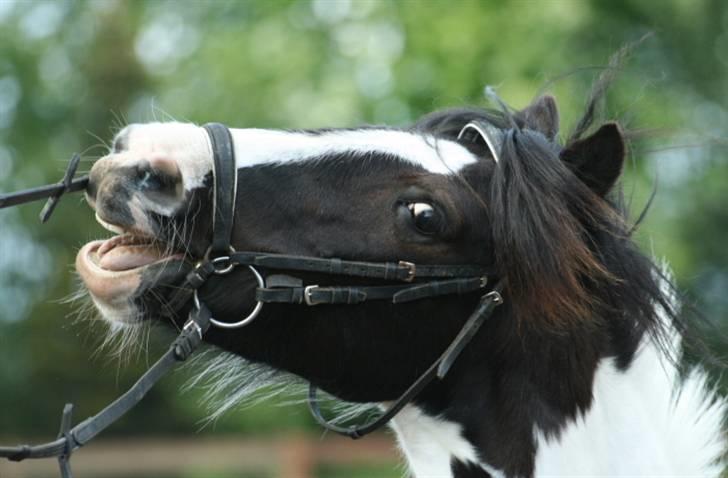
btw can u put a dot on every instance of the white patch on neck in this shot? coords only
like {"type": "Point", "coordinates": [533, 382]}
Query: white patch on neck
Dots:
{"type": "Point", "coordinates": [430, 444]}
{"type": "Point", "coordinates": [260, 146]}
{"type": "Point", "coordinates": [642, 423]}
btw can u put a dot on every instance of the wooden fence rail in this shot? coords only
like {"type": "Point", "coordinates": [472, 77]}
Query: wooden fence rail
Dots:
{"type": "Point", "coordinates": [295, 456]}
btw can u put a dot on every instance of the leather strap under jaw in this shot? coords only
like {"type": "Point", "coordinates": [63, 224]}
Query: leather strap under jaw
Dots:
{"type": "Point", "coordinates": [225, 178]}
{"type": "Point", "coordinates": [438, 370]}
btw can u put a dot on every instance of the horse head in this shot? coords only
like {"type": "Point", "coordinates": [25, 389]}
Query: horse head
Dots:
{"type": "Point", "coordinates": [539, 215]}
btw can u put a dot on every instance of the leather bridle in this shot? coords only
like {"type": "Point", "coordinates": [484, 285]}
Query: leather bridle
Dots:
{"type": "Point", "coordinates": [411, 282]}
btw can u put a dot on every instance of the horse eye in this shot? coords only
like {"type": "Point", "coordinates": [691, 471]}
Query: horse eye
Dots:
{"type": "Point", "coordinates": [425, 218]}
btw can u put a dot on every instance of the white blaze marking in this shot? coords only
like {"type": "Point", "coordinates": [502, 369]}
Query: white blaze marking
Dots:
{"type": "Point", "coordinates": [189, 146]}
{"type": "Point", "coordinates": [260, 146]}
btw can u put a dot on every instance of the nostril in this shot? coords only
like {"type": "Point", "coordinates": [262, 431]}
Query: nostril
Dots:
{"type": "Point", "coordinates": [166, 166]}
{"type": "Point", "coordinates": [158, 177]}
{"type": "Point", "coordinates": [149, 180]}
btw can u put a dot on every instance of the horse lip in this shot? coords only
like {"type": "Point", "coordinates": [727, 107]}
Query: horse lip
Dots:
{"type": "Point", "coordinates": [111, 287]}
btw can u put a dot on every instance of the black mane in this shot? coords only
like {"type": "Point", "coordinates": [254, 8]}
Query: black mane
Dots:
{"type": "Point", "coordinates": [577, 284]}
{"type": "Point", "coordinates": [566, 250]}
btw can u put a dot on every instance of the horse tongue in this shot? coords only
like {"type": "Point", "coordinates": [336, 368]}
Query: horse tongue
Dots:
{"type": "Point", "coordinates": [122, 258]}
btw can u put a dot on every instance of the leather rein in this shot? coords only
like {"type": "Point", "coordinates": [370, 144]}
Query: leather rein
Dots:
{"type": "Point", "coordinates": [415, 282]}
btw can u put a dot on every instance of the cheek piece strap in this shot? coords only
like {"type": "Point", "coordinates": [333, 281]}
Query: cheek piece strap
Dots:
{"type": "Point", "coordinates": [406, 282]}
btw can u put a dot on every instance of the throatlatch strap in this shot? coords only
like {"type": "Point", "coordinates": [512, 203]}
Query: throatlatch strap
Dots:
{"type": "Point", "coordinates": [437, 370]}
{"type": "Point", "coordinates": [226, 178]}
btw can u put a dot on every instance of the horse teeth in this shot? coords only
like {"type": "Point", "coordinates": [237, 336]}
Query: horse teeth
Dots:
{"type": "Point", "coordinates": [122, 240]}
{"type": "Point", "coordinates": [113, 242]}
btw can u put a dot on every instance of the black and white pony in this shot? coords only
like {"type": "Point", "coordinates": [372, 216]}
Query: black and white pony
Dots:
{"type": "Point", "coordinates": [574, 375]}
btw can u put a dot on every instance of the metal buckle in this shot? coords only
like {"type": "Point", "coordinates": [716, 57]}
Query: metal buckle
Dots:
{"type": "Point", "coordinates": [223, 270]}
{"type": "Point", "coordinates": [191, 324]}
{"type": "Point", "coordinates": [307, 291]}
{"type": "Point", "coordinates": [412, 270]}
{"type": "Point", "coordinates": [196, 272]}
{"type": "Point", "coordinates": [495, 296]}
{"type": "Point", "coordinates": [227, 262]}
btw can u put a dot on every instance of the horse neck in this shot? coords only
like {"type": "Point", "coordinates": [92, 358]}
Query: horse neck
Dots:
{"type": "Point", "coordinates": [636, 424]}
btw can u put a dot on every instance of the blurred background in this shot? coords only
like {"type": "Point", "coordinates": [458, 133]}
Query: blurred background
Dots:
{"type": "Point", "coordinates": [73, 72]}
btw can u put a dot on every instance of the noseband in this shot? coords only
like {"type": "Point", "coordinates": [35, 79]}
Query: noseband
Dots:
{"type": "Point", "coordinates": [406, 282]}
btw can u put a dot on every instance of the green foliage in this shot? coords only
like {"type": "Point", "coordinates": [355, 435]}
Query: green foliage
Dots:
{"type": "Point", "coordinates": [72, 72]}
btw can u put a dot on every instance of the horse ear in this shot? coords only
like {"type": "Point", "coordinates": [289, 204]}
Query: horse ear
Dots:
{"type": "Point", "coordinates": [542, 115]}
{"type": "Point", "coordinates": [598, 159]}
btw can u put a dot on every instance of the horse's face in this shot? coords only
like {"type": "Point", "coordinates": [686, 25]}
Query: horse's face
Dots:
{"type": "Point", "coordinates": [577, 290]}
{"type": "Point", "coordinates": [368, 194]}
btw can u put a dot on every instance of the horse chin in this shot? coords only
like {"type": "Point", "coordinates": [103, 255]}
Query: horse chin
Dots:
{"type": "Point", "coordinates": [119, 270]}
